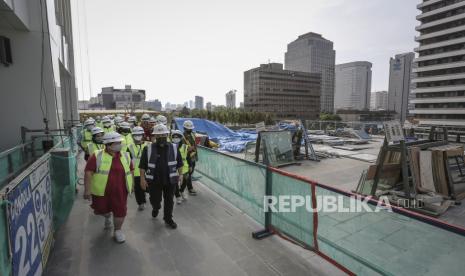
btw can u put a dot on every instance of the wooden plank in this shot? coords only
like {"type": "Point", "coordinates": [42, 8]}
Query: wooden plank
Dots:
{"type": "Point", "coordinates": [426, 171]}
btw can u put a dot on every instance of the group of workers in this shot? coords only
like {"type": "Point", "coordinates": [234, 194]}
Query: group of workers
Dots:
{"type": "Point", "coordinates": [124, 156]}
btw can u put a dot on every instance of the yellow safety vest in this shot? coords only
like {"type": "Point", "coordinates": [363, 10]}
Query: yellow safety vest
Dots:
{"type": "Point", "coordinates": [93, 147]}
{"type": "Point", "coordinates": [187, 142]}
{"type": "Point", "coordinates": [100, 177]}
{"type": "Point", "coordinates": [86, 138]}
{"type": "Point", "coordinates": [136, 153]}
{"type": "Point", "coordinates": [127, 140]}
{"type": "Point", "coordinates": [185, 166]}
{"type": "Point", "coordinates": [108, 129]}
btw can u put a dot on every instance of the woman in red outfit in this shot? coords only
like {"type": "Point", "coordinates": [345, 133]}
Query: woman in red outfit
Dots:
{"type": "Point", "coordinates": [108, 180]}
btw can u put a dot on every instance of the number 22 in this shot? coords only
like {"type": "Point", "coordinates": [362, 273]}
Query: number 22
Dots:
{"type": "Point", "coordinates": [21, 244]}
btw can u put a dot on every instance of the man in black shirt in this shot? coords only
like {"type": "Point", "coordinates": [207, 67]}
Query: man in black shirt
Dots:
{"type": "Point", "coordinates": [160, 167]}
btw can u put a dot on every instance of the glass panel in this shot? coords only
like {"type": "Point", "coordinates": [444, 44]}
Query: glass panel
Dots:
{"type": "Point", "coordinates": [278, 147]}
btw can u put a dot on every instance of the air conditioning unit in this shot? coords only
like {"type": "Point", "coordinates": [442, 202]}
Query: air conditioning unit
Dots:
{"type": "Point", "coordinates": [5, 51]}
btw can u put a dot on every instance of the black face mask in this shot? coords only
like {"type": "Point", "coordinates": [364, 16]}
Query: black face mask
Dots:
{"type": "Point", "coordinates": [161, 141]}
{"type": "Point", "coordinates": [97, 140]}
{"type": "Point", "coordinates": [188, 131]}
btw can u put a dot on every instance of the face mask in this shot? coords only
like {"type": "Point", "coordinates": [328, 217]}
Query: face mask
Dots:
{"type": "Point", "coordinates": [106, 125]}
{"type": "Point", "coordinates": [116, 147]}
{"type": "Point", "coordinates": [176, 140]}
{"type": "Point", "coordinates": [137, 138]}
{"type": "Point", "coordinates": [90, 127]}
{"type": "Point", "coordinates": [98, 140]}
{"type": "Point", "coordinates": [188, 131]}
{"type": "Point", "coordinates": [161, 141]}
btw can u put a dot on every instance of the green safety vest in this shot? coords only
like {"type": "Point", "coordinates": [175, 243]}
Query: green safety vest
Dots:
{"type": "Point", "coordinates": [100, 177]}
{"type": "Point", "coordinates": [93, 147]}
{"type": "Point", "coordinates": [127, 140]}
{"type": "Point", "coordinates": [136, 153]}
{"type": "Point", "coordinates": [86, 138]}
{"type": "Point", "coordinates": [183, 151]}
{"type": "Point", "coordinates": [187, 142]}
{"type": "Point", "coordinates": [108, 129]}
{"type": "Point", "coordinates": [99, 124]}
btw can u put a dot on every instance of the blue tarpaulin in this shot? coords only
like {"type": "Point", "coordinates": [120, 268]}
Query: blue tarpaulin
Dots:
{"type": "Point", "coordinates": [228, 139]}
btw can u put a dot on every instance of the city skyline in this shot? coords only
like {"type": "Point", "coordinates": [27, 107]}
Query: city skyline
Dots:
{"type": "Point", "coordinates": [156, 36]}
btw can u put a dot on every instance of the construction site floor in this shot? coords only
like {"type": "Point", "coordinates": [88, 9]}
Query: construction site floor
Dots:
{"type": "Point", "coordinates": [213, 238]}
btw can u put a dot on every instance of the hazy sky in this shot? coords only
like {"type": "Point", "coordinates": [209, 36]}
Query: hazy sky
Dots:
{"type": "Point", "coordinates": [181, 48]}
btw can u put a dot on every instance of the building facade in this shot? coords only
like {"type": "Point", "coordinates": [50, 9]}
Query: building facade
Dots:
{"type": "Point", "coordinates": [400, 84]}
{"type": "Point", "coordinates": [314, 54]}
{"type": "Point", "coordinates": [284, 93]}
{"type": "Point", "coordinates": [36, 31]}
{"type": "Point", "coordinates": [379, 100]}
{"type": "Point", "coordinates": [440, 74]}
{"type": "Point", "coordinates": [127, 98]}
{"type": "Point", "coordinates": [353, 86]}
{"type": "Point", "coordinates": [209, 106]}
{"type": "Point", "coordinates": [199, 102]}
{"type": "Point", "coordinates": [154, 105]}
{"type": "Point", "coordinates": [231, 99]}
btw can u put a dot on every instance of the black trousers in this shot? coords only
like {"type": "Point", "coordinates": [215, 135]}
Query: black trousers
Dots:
{"type": "Point", "coordinates": [188, 180]}
{"type": "Point", "coordinates": [157, 191]}
{"type": "Point", "coordinates": [138, 192]}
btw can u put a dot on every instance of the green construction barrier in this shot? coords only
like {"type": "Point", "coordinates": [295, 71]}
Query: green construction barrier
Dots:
{"type": "Point", "coordinates": [5, 263]}
{"type": "Point", "coordinates": [240, 182]}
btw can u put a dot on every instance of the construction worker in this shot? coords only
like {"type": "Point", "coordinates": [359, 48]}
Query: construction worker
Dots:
{"type": "Point", "coordinates": [189, 140]}
{"type": "Point", "coordinates": [108, 180]}
{"type": "Point", "coordinates": [107, 126]}
{"type": "Point", "coordinates": [125, 130]}
{"type": "Point", "coordinates": [96, 144]}
{"type": "Point", "coordinates": [98, 121]}
{"type": "Point", "coordinates": [160, 166]}
{"type": "Point", "coordinates": [135, 150]}
{"type": "Point", "coordinates": [161, 120]}
{"type": "Point", "coordinates": [132, 121]}
{"type": "Point", "coordinates": [144, 123]}
{"type": "Point", "coordinates": [297, 140]}
{"type": "Point", "coordinates": [86, 135]}
{"type": "Point", "coordinates": [176, 138]}
{"type": "Point", "coordinates": [118, 121]}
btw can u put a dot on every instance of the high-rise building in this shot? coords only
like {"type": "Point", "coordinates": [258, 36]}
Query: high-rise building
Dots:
{"type": "Point", "coordinates": [440, 75]}
{"type": "Point", "coordinates": [314, 54]}
{"type": "Point", "coordinates": [231, 99]}
{"type": "Point", "coordinates": [209, 106]}
{"type": "Point", "coordinates": [241, 105]}
{"type": "Point", "coordinates": [198, 102]}
{"type": "Point", "coordinates": [126, 98]}
{"type": "Point", "coordinates": [154, 105]}
{"type": "Point", "coordinates": [379, 100]}
{"type": "Point", "coordinates": [191, 104]}
{"type": "Point", "coordinates": [284, 93]}
{"type": "Point", "coordinates": [400, 84]}
{"type": "Point", "coordinates": [353, 86]}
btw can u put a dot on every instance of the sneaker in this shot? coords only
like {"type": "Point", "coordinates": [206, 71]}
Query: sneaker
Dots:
{"type": "Point", "coordinates": [119, 236]}
{"type": "Point", "coordinates": [141, 207]}
{"type": "Point", "coordinates": [183, 196]}
{"type": "Point", "coordinates": [108, 223]}
{"type": "Point", "coordinates": [171, 224]}
{"type": "Point", "coordinates": [178, 200]}
{"type": "Point", "coordinates": [192, 192]}
{"type": "Point", "coordinates": [154, 213]}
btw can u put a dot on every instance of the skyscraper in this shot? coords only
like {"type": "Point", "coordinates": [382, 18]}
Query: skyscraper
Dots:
{"type": "Point", "coordinates": [314, 54]}
{"type": "Point", "coordinates": [400, 77]}
{"type": "Point", "coordinates": [198, 102]}
{"type": "Point", "coordinates": [231, 99]}
{"type": "Point", "coordinates": [379, 100]}
{"type": "Point", "coordinates": [209, 106]}
{"type": "Point", "coordinates": [440, 78]}
{"type": "Point", "coordinates": [353, 86]}
{"type": "Point", "coordinates": [283, 93]}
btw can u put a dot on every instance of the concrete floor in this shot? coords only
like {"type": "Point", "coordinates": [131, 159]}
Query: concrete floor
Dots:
{"type": "Point", "coordinates": [213, 238]}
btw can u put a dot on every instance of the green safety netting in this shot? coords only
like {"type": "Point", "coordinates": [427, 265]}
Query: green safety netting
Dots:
{"type": "Point", "coordinates": [240, 182]}
{"type": "Point", "coordinates": [5, 264]}
{"type": "Point", "coordinates": [386, 243]}
{"type": "Point", "coordinates": [297, 223]}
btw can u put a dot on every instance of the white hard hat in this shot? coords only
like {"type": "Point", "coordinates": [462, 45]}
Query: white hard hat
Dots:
{"type": "Point", "coordinates": [106, 119]}
{"type": "Point", "coordinates": [145, 117]}
{"type": "Point", "coordinates": [188, 124]}
{"type": "Point", "coordinates": [118, 119]}
{"type": "Point", "coordinates": [138, 131]}
{"type": "Point", "coordinates": [132, 119]}
{"type": "Point", "coordinates": [124, 125]}
{"type": "Point", "coordinates": [112, 137]}
{"type": "Point", "coordinates": [161, 119]}
{"type": "Point", "coordinates": [89, 122]}
{"type": "Point", "coordinates": [152, 120]}
{"type": "Point", "coordinates": [176, 132]}
{"type": "Point", "coordinates": [96, 130]}
{"type": "Point", "coordinates": [98, 117]}
{"type": "Point", "coordinates": [160, 129]}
